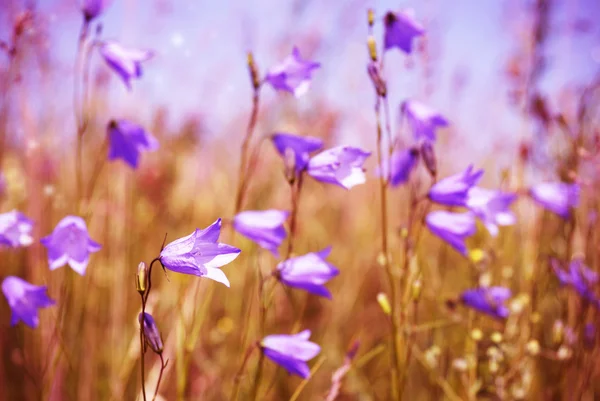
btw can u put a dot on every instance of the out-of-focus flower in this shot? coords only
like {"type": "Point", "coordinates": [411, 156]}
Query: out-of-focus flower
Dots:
{"type": "Point", "coordinates": [341, 166]}
{"type": "Point", "coordinates": [151, 333]}
{"type": "Point", "coordinates": [300, 146]}
{"type": "Point", "coordinates": [127, 140]}
{"type": "Point", "coordinates": [309, 272]}
{"type": "Point", "coordinates": [127, 62]}
{"type": "Point", "coordinates": [15, 229]}
{"type": "Point", "coordinates": [423, 120]}
{"type": "Point", "coordinates": [93, 8]}
{"type": "Point", "coordinates": [70, 244]}
{"type": "Point", "coordinates": [558, 197]}
{"type": "Point", "coordinates": [265, 227]}
{"type": "Point", "coordinates": [24, 300]}
{"type": "Point", "coordinates": [402, 163]}
{"type": "Point", "coordinates": [376, 78]}
{"type": "Point", "coordinates": [291, 351]}
{"type": "Point", "coordinates": [580, 277]}
{"type": "Point", "coordinates": [400, 30]}
{"type": "Point", "coordinates": [453, 228]}
{"type": "Point", "coordinates": [492, 207]}
{"type": "Point", "coordinates": [454, 190]}
{"type": "Point", "coordinates": [490, 301]}
{"type": "Point", "coordinates": [200, 254]}
{"type": "Point", "coordinates": [293, 74]}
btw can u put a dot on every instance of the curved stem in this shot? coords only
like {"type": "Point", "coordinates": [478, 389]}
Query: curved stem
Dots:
{"type": "Point", "coordinates": [238, 375]}
{"type": "Point", "coordinates": [163, 365]}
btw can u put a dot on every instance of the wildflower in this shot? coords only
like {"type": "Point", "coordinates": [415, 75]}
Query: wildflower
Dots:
{"type": "Point", "coordinates": [24, 300]}
{"type": "Point", "coordinates": [454, 190]}
{"type": "Point", "coordinates": [93, 8]}
{"type": "Point", "coordinates": [490, 300]}
{"type": "Point", "coordinates": [263, 227]}
{"type": "Point", "coordinates": [402, 163]}
{"type": "Point", "coordinates": [127, 140]}
{"type": "Point", "coordinates": [151, 334]}
{"type": "Point", "coordinates": [15, 229]}
{"type": "Point", "coordinates": [127, 62]}
{"type": "Point", "coordinates": [293, 74]}
{"type": "Point", "coordinates": [492, 207]}
{"type": "Point", "coordinates": [558, 197]}
{"type": "Point", "coordinates": [70, 244]}
{"type": "Point", "coordinates": [291, 351]}
{"type": "Point", "coordinates": [580, 277]}
{"type": "Point", "coordinates": [423, 120]}
{"type": "Point", "coordinates": [309, 272]}
{"type": "Point", "coordinates": [200, 254]}
{"type": "Point", "coordinates": [400, 30]}
{"type": "Point", "coordinates": [453, 228]}
{"type": "Point", "coordinates": [341, 166]}
{"type": "Point", "coordinates": [300, 146]}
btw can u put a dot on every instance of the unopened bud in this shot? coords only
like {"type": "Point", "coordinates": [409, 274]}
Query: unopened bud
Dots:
{"type": "Point", "coordinates": [476, 334]}
{"type": "Point", "coordinates": [428, 155]}
{"type": "Point", "coordinates": [289, 162]}
{"type": "Point", "coordinates": [372, 45]}
{"type": "Point", "coordinates": [378, 82]}
{"type": "Point", "coordinates": [151, 333]}
{"type": "Point", "coordinates": [533, 347]}
{"type": "Point", "coordinates": [253, 71]}
{"type": "Point", "coordinates": [371, 17]}
{"type": "Point", "coordinates": [416, 287]}
{"type": "Point", "coordinates": [141, 278]}
{"type": "Point", "coordinates": [384, 303]}
{"type": "Point", "coordinates": [558, 332]}
{"type": "Point", "coordinates": [496, 337]}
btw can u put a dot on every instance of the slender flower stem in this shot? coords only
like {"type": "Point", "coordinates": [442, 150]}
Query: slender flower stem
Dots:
{"type": "Point", "coordinates": [163, 365]}
{"type": "Point", "coordinates": [296, 189]}
{"type": "Point", "coordinates": [257, 377]}
{"type": "Point", "coordinates": [238, 376]}
{"type": "Point", "coordinates": [79, 106]}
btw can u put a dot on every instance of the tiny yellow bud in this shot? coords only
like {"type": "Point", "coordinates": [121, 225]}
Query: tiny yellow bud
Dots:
{"type": "Point", "coordinates": [372, 47]}
{"type": "Point", "coordinates": [533, 347]}
{"type": "Point", "coordinates": [381, 259]}
{"type": "Point", "coordinates": [371, 16]}
{"type": "Point", "coordinates": [416, 287]}
{"type": "Point", "coordinates": [476, 255]}
{"type": "Point", "coordinates": [384, 303]}
{"type": "Point", "coordinates": [141, 278]}
{"type": "Point", "coordinates": [558, 331]}
{"type": "Point", "coordinates": [496, 337]}
{"type": "Point", "coordinates": [476, 334]}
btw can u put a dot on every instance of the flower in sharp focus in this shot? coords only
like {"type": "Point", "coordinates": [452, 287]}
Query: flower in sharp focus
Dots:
{"type": "Point", "coordinates": [341, 166]}
{"type": "Point", "coordinates": [492, 207]}
{"type": "Point", "coordinates": [15, 229]}
{"type": "Point", "coordinates": [423, 120]}
{"type": "Point", "coordinates": [490, 301]}
{"type": "Point", "coordinates": [453, 228]}
{"type": "Point", "coordinates": [70, 244]}
{"type": "Point", "coordinates": [127, 140]}
{"type": "Point", "coordinates": [151, 333]}
{"type": "Point", "coordinates": [400, 30]}
{"type": "Point", "coordinates": [200, 254]}
{"type": "Point", "coordinates": [291, 351]}
{"type": "Point", "coordinates": [293, 74]}
{"type": "Point", "coordinates": [454, 190]}
{"type": "Point", "coordinates": [265, 227]}
{"type": "Point", "coordinates": [309, 272]}
{"type": "Point", "coordinates": [93, 8]}
{"type": "Point", "coordinates": [127, 62]}
{"type": "Point", "coordinates": [300, 146]}
{"type": "Point", "coordinates": [24, 300]}
{"type": "Point", "coordinates": [580, 277]}
{"type": "Point", "coordinates": [558, 197]}
{"type": "Point", "coordinates": [402, 163]}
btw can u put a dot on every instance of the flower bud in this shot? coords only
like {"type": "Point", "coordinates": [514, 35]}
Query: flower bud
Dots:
{"type": "Point", "coordinates": [416, 288]}
{"type": "Point", "coordinates": [141, 278]}
{"type": "Point", "coordinates": [253, 71]}
{"type": "Point", "coordinates": [371, 17]}
{"type": "Point", "coordinates": [428, 155]}
{"type": "Point", "coordinates": [378, 82]}
{"type": "Point", "coordinates": [372, 45]}
{"type": "Point", "coordinates": [289, 162]}
{"type": "Point", "coordinates": [384, 303]}
{"type": "Point", "coordinates": [151, 333]}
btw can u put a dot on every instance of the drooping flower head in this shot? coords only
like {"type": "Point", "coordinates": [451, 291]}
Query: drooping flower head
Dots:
{"type": "Point", "coordinates": [402, 163]}
{"type": "Point", "coordinates": [151, 333]}
{"type": "Point", "coordinates": [488, 300]}
{"type": "Point", "coordinates": [454, 190]}
{"type": "Point", "coordinates": [265, 227]}
{"type": "Point", "coordinates": [127, 140]}
{"type": "Point", "coordinates": [309, 272]}
{"type": "Point", "coordinates": [70, 244]}
{"type": "Point", "coordinates": [298, 146]}
{"type": "Point", "coordinates": [341, 166]}
{"type": "Point", "coordinates": [15, 229]}
{"type": "Point", "coordinates": [400, 30]}
{"type": "Point", "coordinates": [291, 351]}
{"type": "Point", "coordinates": [127, 62]}
{"type": "Point", "coordinates": [293, 74]}
{"type": "Point", "coordinates": [453, 228]}
{"type": "Point", "coordinates": [580, 277]}
{"type": "Point", "coordinates": [200, 254]}
{"type": "Point", "coordinates": [492, 207]}
{"type": "Point", "coordinates": [558, 197]}
{"type": "Point", "coordinates": [423, 120]}
{"type": "Point", "coordinates": [93, 8]}
{"type": "Point", "coordinates": [24, 300]}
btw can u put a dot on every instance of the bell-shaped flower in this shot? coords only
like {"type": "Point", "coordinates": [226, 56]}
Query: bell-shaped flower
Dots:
{"type": "Point", "coordinates": [24, 300]}
{"type": "Point", "coordinates": [151, 333]}
{"type": "Point", "coordinates": [15, 229]}
{"type": "Point", "coordinates": [454, 190]}
{"type": "Point", "coordinates": [488, 300]}
{"type": "Point", "coordinates": [265, 227]}
{"type": "Point", "coordinates": [200, 254]}
{"type": "Point", "coordinates": [127, 62]}
{"type": "Point", "coordinates": [291, 351]}
{"type": "Point", "coordinates": [341, 166]}
{"type": "Point", "coordinates": [127, 140]}
{"type": "Point", "coordinates": [309, 272]}
{"type": "Point", "coordinates": [453, 228]}
{"type": "Point", "coordinates": [402, 163]}
{"type": "Point", "coordinates": [70, 244]}
{"type": "Point", "coordinates": [492, 207]}
{"type": "Point", "coordinates": [93, 8]}
{"type": "Point", "coordinates": [558, 197]}
{"type": "Point", "coordinates": [423, 120]}
{"type": "Point", "coordinates": [400, 30]}
{"type": "Point", "coordinates": [580, 277]}
{"type": "Point", "coordinates": [297, 146]}
{"type": "Point", "coordinates": [293, 74]}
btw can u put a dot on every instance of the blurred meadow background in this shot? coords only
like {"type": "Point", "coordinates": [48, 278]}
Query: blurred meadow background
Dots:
{"type": "Point", "coordinates": [518, 83]}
